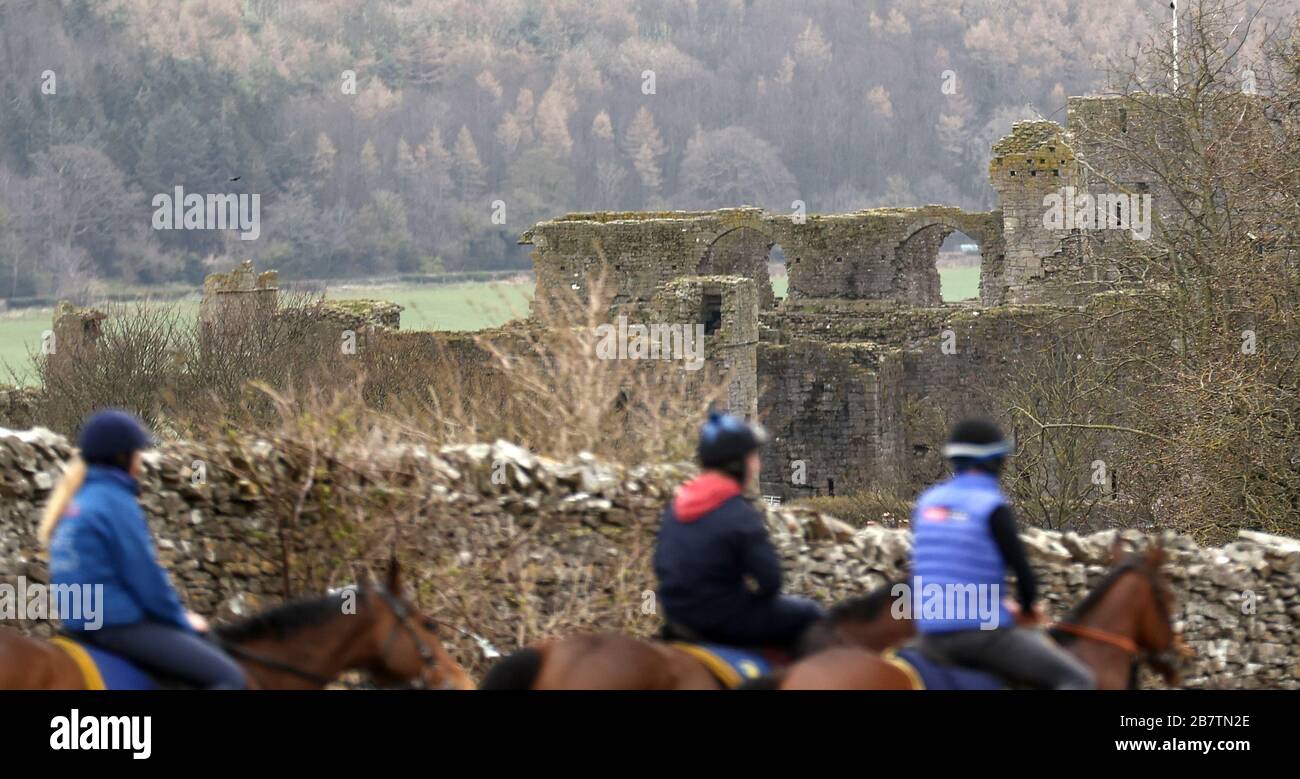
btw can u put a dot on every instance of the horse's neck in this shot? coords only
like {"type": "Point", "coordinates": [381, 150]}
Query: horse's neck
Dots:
{"type": "Point", "coordinates": [1110, 618]}
{"type": "Point", "coordinates": [322, 651]}
{"type": "Point", "coordinates": [1113, 612]}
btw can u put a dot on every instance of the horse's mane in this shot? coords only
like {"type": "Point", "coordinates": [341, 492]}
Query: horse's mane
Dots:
{"type": "Point", "coordinates": [863, 607]}
{"type": "Point", "coordinates": [1095, 595]}
{"type": "Point", "coordinates": [286, 619]}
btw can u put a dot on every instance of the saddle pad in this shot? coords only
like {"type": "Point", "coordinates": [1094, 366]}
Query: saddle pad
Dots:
{"type": "Point", "coordinates": [102, 670]}
{"type": "Point", "coordinates": [731, 665]}
{"type": "Point", "coordinates": [926, 674]}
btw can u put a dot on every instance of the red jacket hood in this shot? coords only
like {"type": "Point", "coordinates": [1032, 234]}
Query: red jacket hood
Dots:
{"type": "Point", "coordinates": [703, 494]}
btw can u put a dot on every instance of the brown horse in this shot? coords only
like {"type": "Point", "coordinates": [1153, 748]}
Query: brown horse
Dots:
{"type": "Point", "coordinates": [616, 662]}
{"type": "Point", "coordinates": [300, 645]}
{"type": "Point", "coordinates": [1123, 622]}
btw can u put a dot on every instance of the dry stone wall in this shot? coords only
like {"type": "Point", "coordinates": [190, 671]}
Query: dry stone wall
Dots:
{"type": "Point", "coordinates": [582, 531]}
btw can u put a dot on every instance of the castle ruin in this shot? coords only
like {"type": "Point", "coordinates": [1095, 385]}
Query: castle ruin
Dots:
{"type": "Point", "coordinates": [858, 370]}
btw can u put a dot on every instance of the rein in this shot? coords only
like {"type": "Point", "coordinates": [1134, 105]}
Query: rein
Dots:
{"type": "Point", "coordinates": [486, 647]}
{"type": "Point", "coordinates": [234, 650]}
{"type": "Point", "coordinates": [1123, 643]}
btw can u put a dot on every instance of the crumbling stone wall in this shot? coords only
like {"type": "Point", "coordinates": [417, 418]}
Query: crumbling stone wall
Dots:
{"type": "Point", "coordinates": [17, 407]}
{"type": "Point", "coordinates": [1109, 132]}
{"type": "Point", "coordinates": [834, 412]}
{"type": "Point", "coordinates": [732, 349]}
{"type": "Point", "coordinates": [882, 254]}
{"type": "Point", "coordinates": [238, 296]}
{"type": "Point", "coordinates": [1034, 161]}
{"type": "Point", "coordinates": [582, 523]}
{"type": "Point", "coordinates": [946, 357]}
{"type": "Point", "coordinates": [349, 326]}
{"type": "Point", "coordinates": [75, 334]}
{"type": "Point", "coordinates": [1096, 153]}
{"type": "Point", "coordinates": [242, 297]}
{"type": "Point", "coordinates": [868, 281]}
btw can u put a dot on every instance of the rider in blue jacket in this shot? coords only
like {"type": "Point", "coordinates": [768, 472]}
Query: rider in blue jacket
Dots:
{"type": "Point", "coordinates": [964, 540]}
{"type": "Point", "coordinates": [719, 575]}
{"type": "Point", "coordinates": [98, 538]}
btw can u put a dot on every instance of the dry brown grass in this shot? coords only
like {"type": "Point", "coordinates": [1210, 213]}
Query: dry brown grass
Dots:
{"type": "Point", "coordinates": [323, 441]}
{"type": "Point", "coordinates": [539, 384]}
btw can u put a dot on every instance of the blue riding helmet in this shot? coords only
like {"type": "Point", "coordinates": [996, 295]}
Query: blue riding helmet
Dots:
{"type": "Point", "coordinates": [111, 433]}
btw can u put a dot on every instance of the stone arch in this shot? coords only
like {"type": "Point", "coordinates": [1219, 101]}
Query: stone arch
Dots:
{"type": "Point", "coordinates": [741, 251]}
{"type": "Point", "coordinates": [917, 279]}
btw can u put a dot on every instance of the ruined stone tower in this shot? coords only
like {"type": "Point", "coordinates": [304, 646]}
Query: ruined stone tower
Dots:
{"type": "Point", "coordinates": [240, 296]}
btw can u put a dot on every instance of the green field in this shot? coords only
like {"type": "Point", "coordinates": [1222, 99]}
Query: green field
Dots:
{"type": "Point", "coordinates": [959, 283]}
{"type": "Point", "coordinates": [19, 332]}
{"type": "Point", "coordinates": [468, 306]}
{"type": "Point", "coordinates": [955, 283]}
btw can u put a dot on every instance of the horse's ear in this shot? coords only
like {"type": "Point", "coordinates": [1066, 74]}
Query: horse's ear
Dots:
{"type": "Point", "coordinates": [1117, 551]}
{"type": "Point", "coordinates": [1156, 555]}
{"type": "Point", "coordinates": [394, 579]}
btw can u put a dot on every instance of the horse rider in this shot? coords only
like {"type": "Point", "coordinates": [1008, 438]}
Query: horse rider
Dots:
{"type": "Point", "coordinates": [719, 574]}
{"type": "Point", "coordinates": [965, 534]}
{"type": "Point", "coordinates": [97, 536]}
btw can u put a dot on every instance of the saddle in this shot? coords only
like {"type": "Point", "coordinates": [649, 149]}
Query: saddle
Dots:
{"type": "Point", "coordinates": [929, 670]}
{"type": "Point", "coordinates": [104, 670]}
{"type": "Point", "coordinates": [732, 666]}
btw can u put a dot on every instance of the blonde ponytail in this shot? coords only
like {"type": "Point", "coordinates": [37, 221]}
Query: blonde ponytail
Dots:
{"type": "Point", "coordinates": [73, 477]}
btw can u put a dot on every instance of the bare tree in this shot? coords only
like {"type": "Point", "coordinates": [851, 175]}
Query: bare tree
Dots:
{"type": "Point", "coordinates": [1199, 360]}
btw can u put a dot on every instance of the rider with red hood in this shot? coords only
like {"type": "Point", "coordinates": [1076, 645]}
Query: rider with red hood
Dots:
{"type": "Point", "coordinates": [719, 575]}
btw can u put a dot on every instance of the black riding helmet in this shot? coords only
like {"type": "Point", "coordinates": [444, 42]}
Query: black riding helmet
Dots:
{"type": "Point", "coordinates": [725, 442]}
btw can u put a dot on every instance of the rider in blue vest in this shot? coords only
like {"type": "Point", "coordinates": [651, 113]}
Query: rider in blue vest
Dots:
{"type": "Point", "coordinates": [98, 537]}
{"type": "Point", "coordinates": [719, 575]}
{"type": "Point", "coordinates": [965, 539]}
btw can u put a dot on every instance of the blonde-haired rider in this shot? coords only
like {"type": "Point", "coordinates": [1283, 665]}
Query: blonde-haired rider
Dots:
{"type": "Point", "coordinates": [98, 538]}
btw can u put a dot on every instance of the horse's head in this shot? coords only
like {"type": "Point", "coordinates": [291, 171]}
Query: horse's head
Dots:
{"type": "Point", "coordinates": [1163, 647]}
{"type": "Point", "coordinates": [1130, 611]}
{"type": "Point", "coordinates": [405, 643]}
{"type": "Point", "coordinates": [372, 628]}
